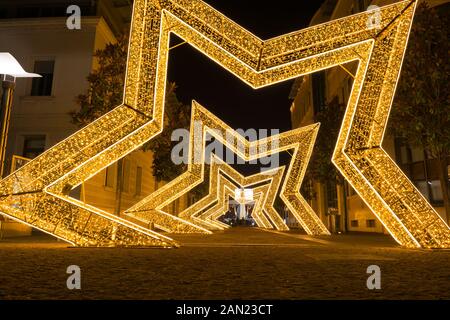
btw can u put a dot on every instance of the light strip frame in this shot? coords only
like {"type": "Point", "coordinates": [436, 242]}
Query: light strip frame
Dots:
{"type": "Point", "coordinates": [224, 180]}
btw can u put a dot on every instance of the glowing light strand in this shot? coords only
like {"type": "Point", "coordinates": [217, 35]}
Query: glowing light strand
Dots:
{"type": "Point", "coordinates": [37, 193]}
{"type": "Point", "coordinates": [224, 180]}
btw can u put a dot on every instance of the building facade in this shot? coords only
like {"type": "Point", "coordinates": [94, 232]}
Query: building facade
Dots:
{"type": "Point", "coordinates": [338, 205]}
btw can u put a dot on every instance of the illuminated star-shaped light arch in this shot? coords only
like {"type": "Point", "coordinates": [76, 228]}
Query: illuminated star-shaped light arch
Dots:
{"type": "Point", "coordinates": [300, 141]}
{"type": "Point", "coordinates": [213, 214]}
{"type": "Point", "coordinates": [379, 49]}
{"type": "Point", "coordinates": [37, 193]}
{"type": "Point", "coordinates": [223, 182]}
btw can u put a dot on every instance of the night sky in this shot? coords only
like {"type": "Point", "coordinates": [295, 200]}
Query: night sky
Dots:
{"type": "Point", "coordinates": [240, 106]}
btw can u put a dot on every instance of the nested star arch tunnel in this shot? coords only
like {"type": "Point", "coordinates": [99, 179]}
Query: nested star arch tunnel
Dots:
{"type": "Point", "coordinates": [36, 194]}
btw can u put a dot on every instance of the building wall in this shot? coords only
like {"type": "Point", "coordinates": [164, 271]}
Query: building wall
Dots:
{"type": "Point", "coordinates": [34, 39]}
{"type": "Point", "coordinates": [47, 39]}
{"type": "Point", "coordinates": [97, 193]}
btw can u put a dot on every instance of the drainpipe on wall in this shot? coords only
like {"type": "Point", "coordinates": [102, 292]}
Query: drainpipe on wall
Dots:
{"type": "Point", "coordinates": [119, 187]}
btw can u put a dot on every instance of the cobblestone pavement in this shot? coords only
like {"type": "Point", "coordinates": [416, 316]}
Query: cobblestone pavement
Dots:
{"type": "Point", "coordinates": [242, 263]}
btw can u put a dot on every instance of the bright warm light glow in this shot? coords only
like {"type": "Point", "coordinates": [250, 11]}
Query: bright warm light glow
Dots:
{"type": "Point", "coordinates": [37, 193]}
{"type": "Point", "coordinates": [243, 195]}
{"type": "Point", "coordinates": [223, 182]}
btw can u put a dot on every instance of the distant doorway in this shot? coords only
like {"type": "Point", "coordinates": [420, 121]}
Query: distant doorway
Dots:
{"type": "Point", "coordinates": [240, 209]}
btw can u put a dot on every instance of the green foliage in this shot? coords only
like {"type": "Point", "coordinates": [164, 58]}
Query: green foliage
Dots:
{"type": "Point", "coordinates": [320, 167]}
{"type": "Point", "coordinates": [105, 91]}
{"type": "Point", "coordinates": [421, 109]}
{"type": "Point", "coordinates": [105, 83]}
{"type": "Point", "coordinates": [176, 116]}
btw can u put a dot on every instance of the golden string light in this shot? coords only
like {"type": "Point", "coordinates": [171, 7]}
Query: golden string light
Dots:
{"type": "Point", "coordinates": [223, 182]}
{"type": "Point", "coordinates": [38, 193]}
{"type": "Point", "coordinates": [301, 141]}
{"type": "Point", "coordinates": [214, 213]}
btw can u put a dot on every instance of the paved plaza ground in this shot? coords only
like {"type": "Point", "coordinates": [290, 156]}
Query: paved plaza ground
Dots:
{"type": "Point", "coordinates": [241, 263]}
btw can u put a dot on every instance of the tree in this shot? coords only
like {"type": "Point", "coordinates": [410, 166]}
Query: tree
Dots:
{"type": "Point", "coordinates": [176, 116]}
{"type": "Point", "coordinates": [105, 91]}
{"type": "Point", "coordinates": [421, 109]}
{"type": "Point", "coordinates": [320, 167]}
{"type": "Point", "coordinates": [105, 83]}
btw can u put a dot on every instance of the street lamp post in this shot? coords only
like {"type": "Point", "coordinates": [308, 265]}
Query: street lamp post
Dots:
{"type": "Point", "coordinates": [5, 113]}
{"type": "Point", "coordinates": [9, 67]}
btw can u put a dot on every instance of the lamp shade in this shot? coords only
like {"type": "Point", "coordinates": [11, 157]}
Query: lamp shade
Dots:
{"type": "Point", "coordinates": [10, 66]}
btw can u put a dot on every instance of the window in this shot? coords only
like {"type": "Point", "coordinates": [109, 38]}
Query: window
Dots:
{"type": "Point", "coordinates": [43, 86]}
{"type": "Point", "coordinates": [436, 190]}
{"type": "Point", "coordinates": [109, 176]}
{"type": "Point", "coordinates": [370, 223]}
{"type": "Point", "coordinates": [332, 201]}
{"type": "Point", "coordinates": [354, 223]}
{"type": "Point", "coordinates": [349, 189]}
{"type": "Point", "coordinates": [30, 11]}
{"type": "Point", "coordinates": [307, 189]}
{"type": "Point", "coordinates": [33, 146]}
{"type": "Point", "coordinates": [138, 181]}
{"type": "Point", "coordinates": [417, 154]}
{"type": "Point", "coordinates": [423, 188]}
{"type": "Point", "coordinates": [402, 152]}
{"type": "Point", "coordinates": [126, 175]}
{"type": "Point", "coordinates": [421, 169]}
